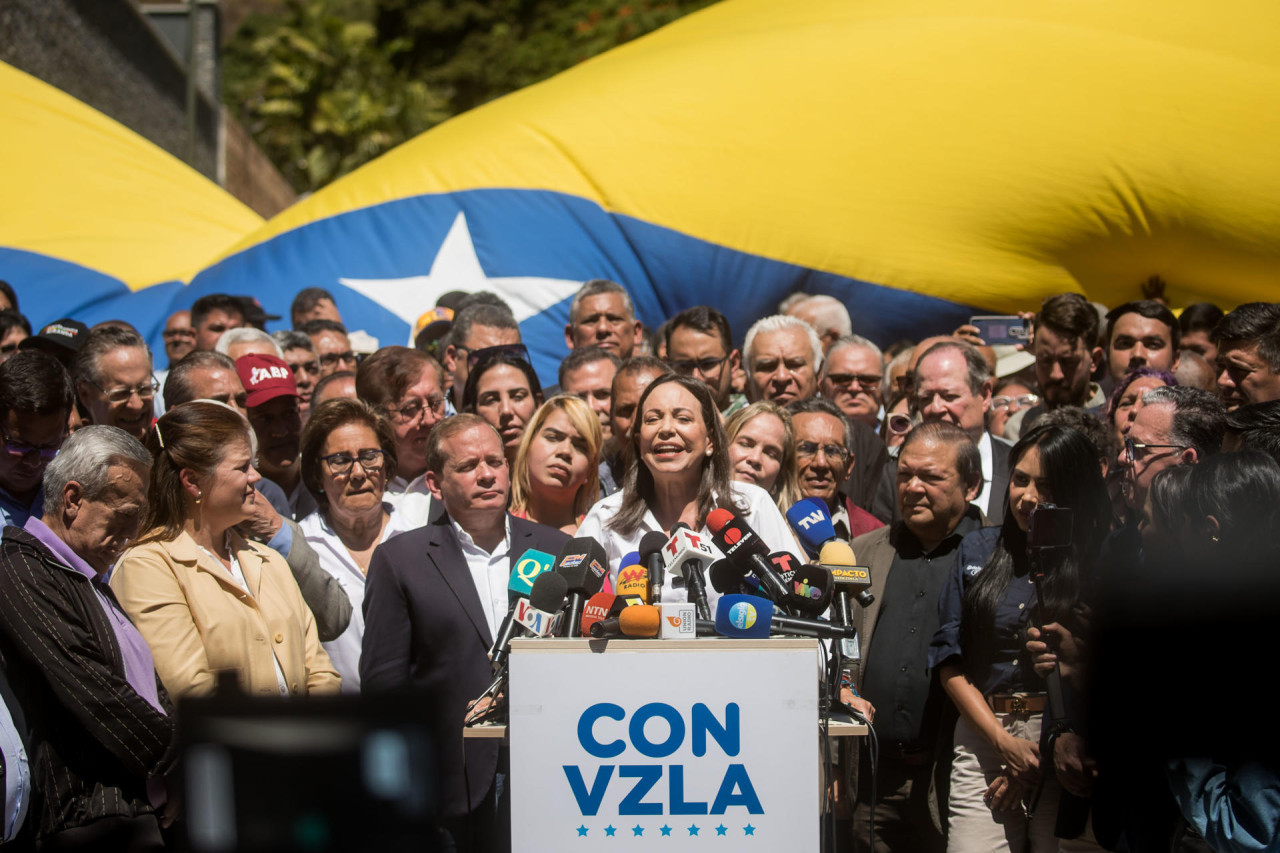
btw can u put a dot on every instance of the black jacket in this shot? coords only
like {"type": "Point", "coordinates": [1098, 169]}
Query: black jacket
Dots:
{"type": "Point", "coordinates": [93, 740]}
{"type": "Point", "coordinates": [425, 630]}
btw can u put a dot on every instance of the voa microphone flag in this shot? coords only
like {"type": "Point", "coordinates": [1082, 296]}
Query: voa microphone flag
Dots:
{"type": "Point", "coordinates": [921, 165]}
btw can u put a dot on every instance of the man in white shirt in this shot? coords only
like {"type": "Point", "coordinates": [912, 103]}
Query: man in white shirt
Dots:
{"type": "Point", "coordinates": [433, 602]}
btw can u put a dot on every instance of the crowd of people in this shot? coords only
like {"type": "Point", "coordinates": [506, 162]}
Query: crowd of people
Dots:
{"type": "Point", "coordinates": [304, 512]}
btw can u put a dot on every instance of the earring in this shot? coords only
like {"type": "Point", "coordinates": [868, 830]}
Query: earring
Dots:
{"type": "Point", "coordinates": [199, 495]}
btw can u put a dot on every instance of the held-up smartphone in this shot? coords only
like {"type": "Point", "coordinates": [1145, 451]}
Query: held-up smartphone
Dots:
{"type": "Point", "coordinates": [1050, 527]}
{"type": "Point", "coordinates": [1001, 329]}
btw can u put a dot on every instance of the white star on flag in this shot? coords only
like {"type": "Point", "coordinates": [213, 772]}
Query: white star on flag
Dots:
{"type": "Point", "coordinates": [456, 267]}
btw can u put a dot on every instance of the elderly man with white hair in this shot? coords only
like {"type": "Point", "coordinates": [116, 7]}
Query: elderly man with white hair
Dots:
{"type": "Point", "coordinates": [247, 340]}
{"type": "Point", "coordinates": [97, 717]}
{"type": "Point", "coordinates": [783, 355]}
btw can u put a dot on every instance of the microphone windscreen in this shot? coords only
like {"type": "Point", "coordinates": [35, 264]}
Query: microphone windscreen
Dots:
{"type": "Point", "coordinates": [745, 616]}
{"type": "Point", "coordinates": [583, 563]}
{"type": "Point", "coordinates": [837, 554]}
{"type": "Point", "coordinates": [725, 576]}
{"type": "Point", "coordinates": [596, 608]}
{"type": "Point", "coordinates": [640, 621]}
{"type": "Point", "coordinates": [629, 559]}
{"type": "Point", "coordinates": [651, 543]}
{"type": "Point", "coordinates": [718, 518]}
{"type": "Point", "coordinates": [811, 591]}
{"type": "Point", "coordinates": [785, 564]}
{"type": "Point", "coordinates": [811, 522]}
{"type": "Point", "coordinates": [634, 581]}
{"type": "Point", "coordinates": [531, 564]}
{"type": "Point", "coordinates": [549, 591]}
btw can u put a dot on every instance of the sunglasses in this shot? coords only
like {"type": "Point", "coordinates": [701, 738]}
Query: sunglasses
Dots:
{"type": "Point", "coordinates": [516, 351]}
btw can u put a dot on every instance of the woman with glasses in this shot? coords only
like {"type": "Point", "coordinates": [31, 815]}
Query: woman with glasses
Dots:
{"type": "Point", "coordinates": [762, 450]}
{"type": "Point", "coordinates": [348, 455]}
{"type": "Point", "coordinates": [1010, 397]}
{"type": "Point", "coordinates": [407, 386]}
{"type": "Point", "coordinates": [206, 600]}
{"type": "Point", "coordinates": [678, 471]}
{"type": "Point", "coordinates": [986, 606]}
{"type": "Point", "coordinates": [503, 389]}
{"type": "Point", "coordinates": [898, 421]}
{"type": "Point", "coordinates": [556, 478]}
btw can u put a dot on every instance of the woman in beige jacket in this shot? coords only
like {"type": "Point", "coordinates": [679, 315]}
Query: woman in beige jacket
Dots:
{"type": "Point", "coordinates": [205, 599]}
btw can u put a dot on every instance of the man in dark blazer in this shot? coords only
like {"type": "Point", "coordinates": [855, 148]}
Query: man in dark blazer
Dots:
{"type": "Point", "coordinates": [433, 601]}
{"type": "Point", "coordinates": [953, 384]}
{"type": "Point", "coordinates": [909, 563]}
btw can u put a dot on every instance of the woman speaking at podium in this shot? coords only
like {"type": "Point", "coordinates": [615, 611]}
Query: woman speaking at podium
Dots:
{"type": "Point", "coordinates": [985, 608]}
{"type": "Point", "coordinates": [678, 472]}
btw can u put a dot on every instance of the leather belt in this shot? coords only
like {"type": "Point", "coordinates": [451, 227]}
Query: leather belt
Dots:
{"type": "Point", "coordinates": [1017, 703]}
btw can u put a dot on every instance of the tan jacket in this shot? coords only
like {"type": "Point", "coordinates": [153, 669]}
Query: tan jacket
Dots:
{"type": "Point", "coordinates": [199, 621]}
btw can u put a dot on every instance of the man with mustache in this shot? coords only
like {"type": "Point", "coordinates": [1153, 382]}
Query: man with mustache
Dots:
{"type": "Point", "coordinates": [825, 460]}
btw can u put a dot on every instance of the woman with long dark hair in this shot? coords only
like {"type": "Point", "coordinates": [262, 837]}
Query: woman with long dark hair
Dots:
{"type": "Point", "coordinates": [503, 389]}
{"type": "Point", "coordinates": [985, 609]}
{"type": "Point", "coordinates": [678, 471]}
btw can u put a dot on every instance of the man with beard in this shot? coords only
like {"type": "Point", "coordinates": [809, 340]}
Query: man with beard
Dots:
{"type": "Point", "coordinates": [1066, 354]}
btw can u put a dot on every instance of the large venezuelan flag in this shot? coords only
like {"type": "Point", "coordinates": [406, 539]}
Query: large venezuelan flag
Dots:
{"type": "Point", "coordinates": [96, 222]}
{"type": "Point", "coordinates": [919, 159]}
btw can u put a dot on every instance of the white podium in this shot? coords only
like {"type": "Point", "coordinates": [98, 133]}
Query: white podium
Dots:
{"type": "Point", "coordinates": [676, 745]}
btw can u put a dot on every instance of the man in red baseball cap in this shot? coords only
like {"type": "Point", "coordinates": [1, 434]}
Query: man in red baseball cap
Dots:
{"type": "Point", "coordinates": [271, 398]}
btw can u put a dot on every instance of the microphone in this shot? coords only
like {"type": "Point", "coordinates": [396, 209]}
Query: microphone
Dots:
{"type": "Point", "coordinates": [537, 613]}
{"type": "Point", "coordinates": [749, 616]}
{"type": "Point", "coordinates": [743, 546]}
{"type": "Point", "coordinates": [639, 622]}
{"type": "Point", "coordinates": [811, 591]}
{"type": "Point", "coordinates": [582, 563]}
{"type": "Point", "coordinates": [633, 582]}
{"type": "Point", "coordinates": [596, 608]}
{"type": "Point", "coordinates": [531, 564]}
{"type": "Point", "coordinates": [811, 522]}
{"type": "Point", "coordinates": [689, 553]}
{"type": "Point", "coordinates": [849, 577]}
{"type": "Point", "coordinates": [651, 545]}
{"type": "Point", "coordinates": [785, 564]}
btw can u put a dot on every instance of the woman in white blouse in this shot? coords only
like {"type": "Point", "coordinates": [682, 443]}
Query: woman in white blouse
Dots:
{"type": "Point", "coordinates": [679, 471]}
{"type": "Point", "coordinates": [348, 456]}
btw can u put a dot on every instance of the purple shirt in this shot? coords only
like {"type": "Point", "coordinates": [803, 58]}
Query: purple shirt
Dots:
{"type": "Point", "coordinates": [139, 667]}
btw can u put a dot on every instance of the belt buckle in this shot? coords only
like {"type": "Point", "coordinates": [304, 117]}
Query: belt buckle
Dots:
{"type": "Point", "coordinates": [1018, 704]}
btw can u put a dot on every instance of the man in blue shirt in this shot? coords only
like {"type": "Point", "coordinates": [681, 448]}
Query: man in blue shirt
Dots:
{"type": "Point", "coordinates": [36, 397]}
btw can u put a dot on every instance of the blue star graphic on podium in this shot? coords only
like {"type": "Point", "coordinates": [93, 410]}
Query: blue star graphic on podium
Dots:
{"type": "Point", "coordinates": [666, 830]}
{"type": "Point", "coordinates": [693, 830]}
{"type": "Point", "coordinates": [749, 830]}
{"type": "Point", "coordinates": [609, 830]}
{"type": "Point", "coordinates": [637, 830]}
{"type": "Point", "coordinates": [582, 831]}
{"type": "Point", "coordinates": [721, 829]}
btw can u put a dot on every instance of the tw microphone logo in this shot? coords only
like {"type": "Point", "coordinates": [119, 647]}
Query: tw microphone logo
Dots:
{"type": "Point", "coordinates": [809, 520]}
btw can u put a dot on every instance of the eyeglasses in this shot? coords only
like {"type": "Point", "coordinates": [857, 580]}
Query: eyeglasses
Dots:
{"type": "Point", "coordinates": [1132, 447]}
{"type": "Point", "coordinates": [21, 449]}
{"type": "Point", "coordinates": [1026, 401]}
{"type": "Point", "coordinates": [869, 381]}
{"type": "Point", "coordinates": [122, 395]}
{"type": "Point", "coordinates": [898, 424]}
{"type": "Point", "coordinates": [517, 351]}
{"type": "Point", "coordinates": [329, 359]}
{"type": "Point", "coordinates": [808, 448]}
{"type": "Point", "coordinates": [340, 463]}
{"type": "Point", "coordinates": [409, 412]}
{"type": "Point", "coordinates": [686, 366]}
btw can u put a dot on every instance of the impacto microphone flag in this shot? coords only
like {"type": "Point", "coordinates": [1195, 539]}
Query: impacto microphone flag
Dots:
{"type": "Point", "coordinates": [812, 524]}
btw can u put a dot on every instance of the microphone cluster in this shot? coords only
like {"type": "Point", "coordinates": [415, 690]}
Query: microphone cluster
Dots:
{"type": "Point", "coordinates": [755, 592]}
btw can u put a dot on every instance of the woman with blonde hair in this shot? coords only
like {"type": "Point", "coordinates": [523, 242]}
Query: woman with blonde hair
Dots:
{"type": "Point", "coordinates": [762, 450]}
{"type": "Point", "coordinates": [556, 476]}
{"type": "Point", "coordinates": [205, 599]}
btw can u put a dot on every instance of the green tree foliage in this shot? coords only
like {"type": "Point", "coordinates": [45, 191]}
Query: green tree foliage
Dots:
{"type": "Point", "coordinates": [327, 85]}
